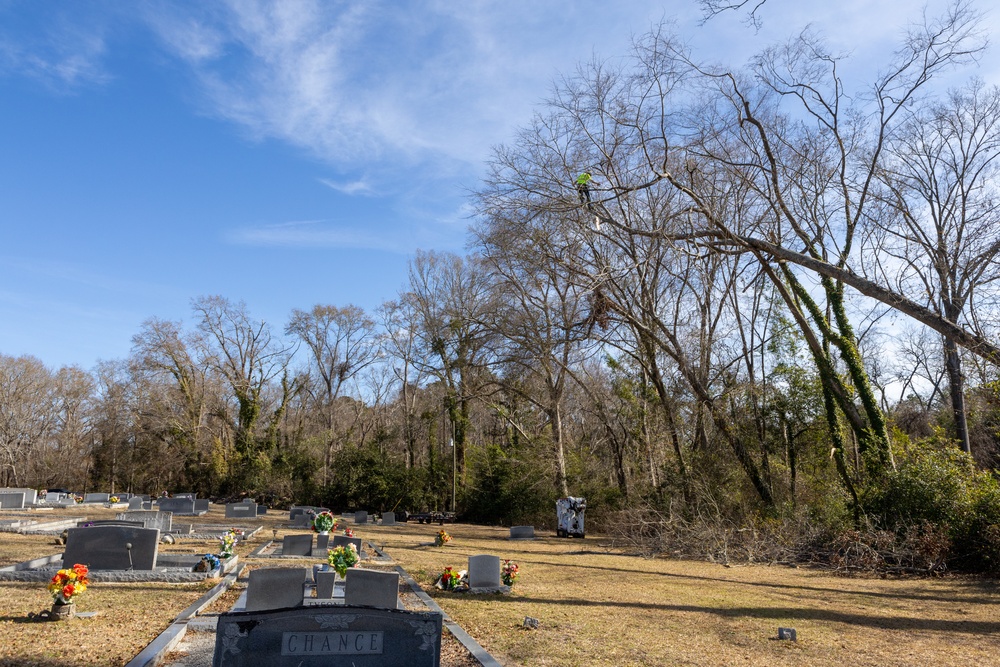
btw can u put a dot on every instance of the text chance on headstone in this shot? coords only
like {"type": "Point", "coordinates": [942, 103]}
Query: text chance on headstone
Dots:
{"type": "Point", "coordinates": [311, 637]}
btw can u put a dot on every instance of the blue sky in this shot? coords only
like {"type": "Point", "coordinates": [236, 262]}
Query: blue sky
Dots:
{"type": "Point", "coordinates": [289, 153]}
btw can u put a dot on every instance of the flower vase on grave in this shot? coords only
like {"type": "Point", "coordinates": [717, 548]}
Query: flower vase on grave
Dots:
{"type": "Point", "coordinates": [62, 612]}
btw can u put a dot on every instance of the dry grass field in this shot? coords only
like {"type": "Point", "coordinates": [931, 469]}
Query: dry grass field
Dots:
{"type": "Point", "coordinates": [596, 606]}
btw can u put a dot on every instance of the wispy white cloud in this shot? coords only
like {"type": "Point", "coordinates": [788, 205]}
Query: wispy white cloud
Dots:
{"type": "Point", "coordinates": [315, 234]}
{"type": "Point", "coordinates": [64, 55]}
{"type": "Point", "coordinates": [358, 187]}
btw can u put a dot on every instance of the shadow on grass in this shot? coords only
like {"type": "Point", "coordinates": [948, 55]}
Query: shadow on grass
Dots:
{"type": "Point", "coordinates": [983, 591]}
{"type": "Point", "coordinates": [797, 613]}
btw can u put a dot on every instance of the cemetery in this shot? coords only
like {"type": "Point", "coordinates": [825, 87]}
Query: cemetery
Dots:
{"type": "Point", "coordinates": [521, 596]}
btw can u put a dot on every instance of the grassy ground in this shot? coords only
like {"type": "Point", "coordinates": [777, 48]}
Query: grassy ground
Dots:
{"type": "Point", "coordinates": [596, 606]}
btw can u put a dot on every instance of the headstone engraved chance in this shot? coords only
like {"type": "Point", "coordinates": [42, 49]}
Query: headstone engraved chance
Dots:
{"type": "Point", "coordinates": [371, 588]}
{"type": "Point", "coordinates": [181, 506]}
{"type": "Point", "coordinates": [241, 510]}
{"type": "Point", "coordinates": [12, 500]}
{"type": "Point", "coordinates": [484, 571]}
{"type": "Point", "coordinates": [96, 497]}
{"type": "Point", "coordinates": [296, 545]}
{"type": "Point", "coordinates": [522, 532]}
{"type": "Point", "coordinates": [332, 635]}
{"type": "Point", "coordinates": [275, 588]}
{"type": "Point", "coordinates": [162, 521]}
{"type": "Point", "coordinates": [388, 518]}
{"type": "Point", "coordinates": [112, 547]}
{"type": "Point", "coordinates": [361, 517]}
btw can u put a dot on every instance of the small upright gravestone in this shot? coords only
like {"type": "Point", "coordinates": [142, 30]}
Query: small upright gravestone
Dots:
{"type": "Point", "coordinates": [343, 541]}
{"type": "Point", "coordinates": [135, 503]}
{"type": "Point", "coordinates": [11, 500]}
{"type": "Point", "coordinates": [522, 532]}
{"type": "Point", "coordinates": [371, 588]}
{"type": "Point", "coordinates": [275, 588]}
{"type": "Point", "coordinates": [181, 506]}
{"type": "Point", "coordinates": [201, 506]}
{"type": "Point", "coordinates": [388, 518]}
{"type": "Point", "coordinates": [296, 545]}
{"type": "Point", "coordinates": [484, 572]}
{"type": "Point", "coordinates": [332, 635]}
{"type": "Point", "coordinates": [322, 544]}
{"type": "Point", "coordinates": [360, 517]}
{"type": "Point", "coordinates": [112, 547]}
{"type": "Point", "coordinates": [302, 521]}
{"type": "Point", "coordinates": [241, 510]}
{"type": "Point", "coordinates": [162, 521]}
{"type": "Point", "coordinates": [325, 580]}
{"type": "Point", "coordinates": [97, 497]}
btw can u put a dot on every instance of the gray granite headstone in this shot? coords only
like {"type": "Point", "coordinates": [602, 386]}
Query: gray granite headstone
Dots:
{"type": "Point", "coordinates": [275, 588]}
{"type": "Point", "coordinates": [135, 503]}
{"type": "Point", "coordinates": [332, 635]}
{"type": "Point", "coordinates": [484, 571]}
{"type": "Point", "coordinates": [184, 506]}
{"type": "Point", "coordinates": [188, 496]}
{"type": "Point", "coordinates": [96, 497]}
{"type": "Point", "coordinates": [241, 511]}
{"type": "Point", "coordinates": [371, 588]}
{"type": "Point", "coordinates": [522, 532]}
{"type": "Point", "coordinates": [296, 545]}
{"type": "Point", "coordinates": [13, 500]}
{"type": "Point", "coordinates": [30, 495]}
{"type": "Point", "coordinates": [261, 509]}
{"type": "Point", "coordinates": [162, 521]}
{"type": "Point", "coordinates": [302, 521]}
{"type": "Point", "coordinates": [343, 541]}
{"type": "Point", "coordinates": [322, 544]}
{"type": "Point", "coordinates": [107, 547]}
{"type": "Point", "coordinates": [360, 517]}
{"type": "Point", "coordinates": [325, 583]}
{"type": "Point", "coordinates": [201, 506]}
{"type": "Point", "coordinates": [299, 510]}
{"type": "Point", "coordinates": [388, 518]}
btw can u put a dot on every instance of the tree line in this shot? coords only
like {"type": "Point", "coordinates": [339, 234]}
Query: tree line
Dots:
{"type": "Point", "coordinates": [776, 304]}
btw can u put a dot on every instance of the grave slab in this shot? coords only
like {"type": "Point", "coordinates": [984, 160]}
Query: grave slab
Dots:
{"type": "Point", "coordinates": [13, 500]}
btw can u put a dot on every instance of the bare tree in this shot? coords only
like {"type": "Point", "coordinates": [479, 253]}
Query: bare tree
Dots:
{"type": "Point", "coordinates": [341, 343]}
{"type": "Point", "coordinates": [941, 178]}
{"type": "Point", "coordinates": [245, 353]}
